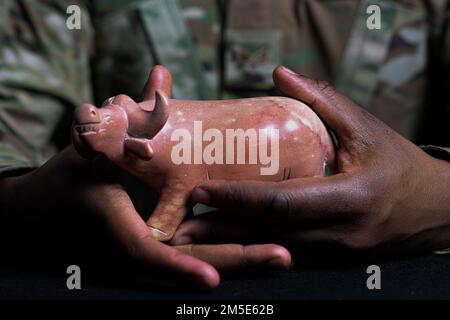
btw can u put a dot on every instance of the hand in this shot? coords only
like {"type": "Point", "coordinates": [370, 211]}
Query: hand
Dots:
{"type": "Point", "coordinates": [388, 197]}
{"type": "Point", "coordinates": [68, 182]}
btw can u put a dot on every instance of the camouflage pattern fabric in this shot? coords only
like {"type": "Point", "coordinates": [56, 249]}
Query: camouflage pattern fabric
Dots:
{"type": "Point", "coordinates": [384, 70]}
{"type": "Point", "coordinates": [44, 72]}
{"type": "Point", "coordinates": [174, 48]}
{"type": "Point", "coordinates": [214, 48]}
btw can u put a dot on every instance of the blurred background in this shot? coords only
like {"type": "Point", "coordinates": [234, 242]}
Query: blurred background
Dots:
{"type": "Point", "coordinates": [217, 49]}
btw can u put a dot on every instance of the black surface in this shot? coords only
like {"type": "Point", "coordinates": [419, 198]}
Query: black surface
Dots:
{"type": "Point", "coordinates": [426, 277]}
{"type": "Point", "coordinates": [33, 265]}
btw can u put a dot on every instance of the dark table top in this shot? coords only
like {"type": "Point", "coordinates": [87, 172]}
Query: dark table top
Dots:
{"type": "Point", "coordinates": [425, 277]}
{"type": "Point", "coordinates": [33, 265]}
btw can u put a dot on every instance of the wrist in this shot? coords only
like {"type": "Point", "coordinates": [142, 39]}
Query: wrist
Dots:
{"type": "Point", "coordinates": [437, 188]}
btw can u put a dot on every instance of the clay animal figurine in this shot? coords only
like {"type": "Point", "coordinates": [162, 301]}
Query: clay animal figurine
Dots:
{"type": "Point", "coordinates": [173, 145]}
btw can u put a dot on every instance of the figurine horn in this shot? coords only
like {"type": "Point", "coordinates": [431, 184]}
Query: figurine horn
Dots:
{"type": "Point", "coordinates": [160, 112]}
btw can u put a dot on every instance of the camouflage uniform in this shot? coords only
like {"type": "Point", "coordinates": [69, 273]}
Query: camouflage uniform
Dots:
{"type": "Point", "coordinates": [217, 49]}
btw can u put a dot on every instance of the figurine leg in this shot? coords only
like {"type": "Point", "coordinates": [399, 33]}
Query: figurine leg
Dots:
{"type": "Point", "coordinates": [169, 212]}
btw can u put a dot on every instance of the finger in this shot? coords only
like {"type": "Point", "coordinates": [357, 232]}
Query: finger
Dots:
{"type": "Point", "coordinates": [308, 200]}
{"type": "Point", "coordinates": [196, 231]}
{"type": "Point", "coordinates": [338, 112]}
{"type": "Point", "coordinates": [216, 229]}
{"type": "Point", "coordinates": [159, 79]}
{"type": "Point", "coordinates": [134, 234]}
{"type": "Point", "coordinates": [238, 258]}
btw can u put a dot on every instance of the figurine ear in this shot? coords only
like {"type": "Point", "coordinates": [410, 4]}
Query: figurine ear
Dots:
{"type": "Point", "coordinates": [139, 147]}
{"type": "Point", "coordinates": [160, 112]}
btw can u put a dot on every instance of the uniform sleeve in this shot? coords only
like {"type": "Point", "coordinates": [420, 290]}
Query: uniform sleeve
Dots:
{"type": "Point", "coordinates": [443, 153]}
{"type": "Point", "coordinates": [44, 74]}
{"type": "Point", "coordinates": [435, 151]}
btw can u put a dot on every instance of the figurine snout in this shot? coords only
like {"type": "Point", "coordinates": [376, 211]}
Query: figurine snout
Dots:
{"type": "Point", "coordinates": [87, 113]}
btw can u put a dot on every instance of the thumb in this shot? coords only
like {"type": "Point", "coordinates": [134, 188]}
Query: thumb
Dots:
{"type": "Point", "coordinates": [340, 114]}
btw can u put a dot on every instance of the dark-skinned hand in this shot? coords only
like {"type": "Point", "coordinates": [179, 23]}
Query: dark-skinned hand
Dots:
{"type": "Point", "coordinates": [388, 197]}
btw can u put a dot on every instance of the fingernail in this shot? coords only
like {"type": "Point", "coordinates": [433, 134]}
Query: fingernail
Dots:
{"type": "Point", "coordinates": [158, 234]}
{"type": "Point", "coordinates": [286, 69]}
{"type": "Point", "coordinates": [200, 195]}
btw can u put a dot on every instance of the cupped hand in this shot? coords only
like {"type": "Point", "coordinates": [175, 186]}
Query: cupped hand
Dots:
{"type": "Point", "coordinates": [388, 196]}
